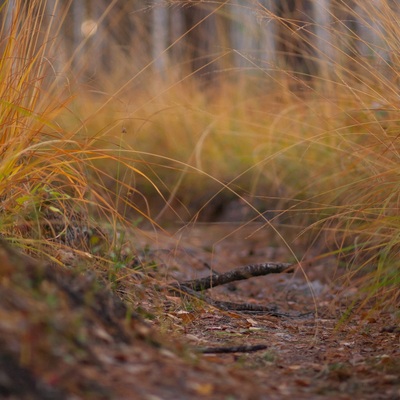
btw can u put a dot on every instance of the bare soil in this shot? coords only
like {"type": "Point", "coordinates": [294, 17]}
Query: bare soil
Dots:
{"type": "Point", "coordinates": [74, 334]}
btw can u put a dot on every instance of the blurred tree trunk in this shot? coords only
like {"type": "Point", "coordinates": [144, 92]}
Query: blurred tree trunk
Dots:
{"type": "Point", "coordinates": [177, 24]}
{"type": "Point", "coordinates": [269, 34]}
{"type": "Point", "coordinates": [294, 36]}
{"type": "Point", "coordinates": [78, 15]}
{"type": "Point", "coordinates": [160, 34]}
{"type": "Point", "coordinates": [201, 40]}
{"type": "Point", "coordinates": [119, 31]}
{"type": "Point", "coordinates": [243, 32]}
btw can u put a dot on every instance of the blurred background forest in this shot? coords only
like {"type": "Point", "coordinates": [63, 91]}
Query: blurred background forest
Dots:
{"type": "Point", "coordinates": [178, 38]}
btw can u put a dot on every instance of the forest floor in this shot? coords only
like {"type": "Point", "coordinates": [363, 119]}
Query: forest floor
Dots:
{"type": "Point", "coordinates": [63, 335]}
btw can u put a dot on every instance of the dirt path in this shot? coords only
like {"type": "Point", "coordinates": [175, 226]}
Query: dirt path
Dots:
{"type": "Point", "coordinates": [312, 356]}
{"type": "Point", "coordinates": [64, 336]}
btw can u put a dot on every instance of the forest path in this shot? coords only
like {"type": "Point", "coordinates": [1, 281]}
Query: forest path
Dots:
{"type": "Point", "coordinates": [62, 336]}
{"type": "Point", "coordinates": [308, 356]}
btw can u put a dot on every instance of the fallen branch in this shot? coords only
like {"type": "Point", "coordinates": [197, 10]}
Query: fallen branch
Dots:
{"type": "Point", "coordinates": [246, 272]}
{"type": "Point", "coordinates": [232, 349]}
{"type": "Point", "coordinates": [194, 286]}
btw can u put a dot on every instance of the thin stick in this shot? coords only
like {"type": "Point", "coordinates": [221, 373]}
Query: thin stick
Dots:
{"type": "Point", "coordinates": [232, 349]}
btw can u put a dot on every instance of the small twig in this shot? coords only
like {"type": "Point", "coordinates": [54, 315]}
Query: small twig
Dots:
{"type": "Point", "coordinates": [249, 308]}
{"type": "Point", "coordinates": [232, 349]}
{"type": "Point", "coordinates": [208, 266]}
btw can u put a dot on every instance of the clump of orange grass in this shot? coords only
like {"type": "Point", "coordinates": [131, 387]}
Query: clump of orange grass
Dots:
{"type": "Point", "coordinates": [46, 173]}
{"type": "Point", "coordinates": [349, 145]}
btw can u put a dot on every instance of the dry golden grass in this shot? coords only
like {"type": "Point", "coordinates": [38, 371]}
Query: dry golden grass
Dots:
{"type": "Point", "coordinates": [50, 182]}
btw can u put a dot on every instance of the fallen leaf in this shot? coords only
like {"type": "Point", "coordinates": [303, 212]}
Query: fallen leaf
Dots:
{"type": "Point", "coordinates": [252, 322]}
{"type": "Point", "coordinates": [302, 382]}
{"type": "Point", "coordinates": [203, 389]}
